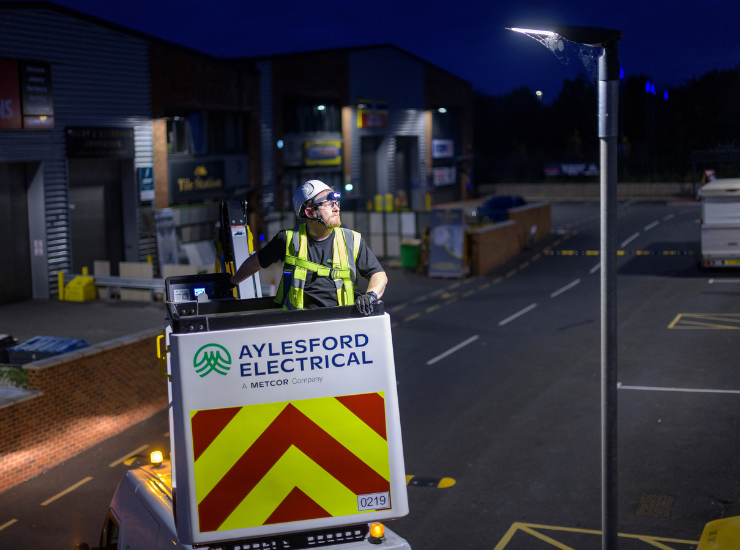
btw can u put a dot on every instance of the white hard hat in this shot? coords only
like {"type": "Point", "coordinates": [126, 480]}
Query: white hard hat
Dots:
{"type": "Point", "coordinates": [305, 193]}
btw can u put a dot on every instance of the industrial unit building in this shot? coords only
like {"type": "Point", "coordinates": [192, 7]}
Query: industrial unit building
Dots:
{"type": "Point", "coordinates": [371, 121]}
{"type": "Point", "coordinates": [92, 134]}
{"type": "Point", "coordinates": [104, 132]}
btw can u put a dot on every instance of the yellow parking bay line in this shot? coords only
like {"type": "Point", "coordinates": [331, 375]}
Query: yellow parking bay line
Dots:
{"type": "Point", "coordinates": [412, 317]}
{"type": "Point", "coordinates": [8, 524]}
{"type": "Point", "coordinates": [468, 293]}
{"type": "Point", "coordinates": [67, 490]}
{"type": "Point", "coordinates": [533, 530]}
{"type": "Point", "coordinates": [433, 308]}
{"type": "Point", "coordinates": [705, 321]}
{"type": "Point", "coordinates": [127, 455]}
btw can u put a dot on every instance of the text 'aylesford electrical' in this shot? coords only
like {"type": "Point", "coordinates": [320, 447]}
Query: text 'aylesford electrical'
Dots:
{"type": "Point", "coordinates": [345, 352]}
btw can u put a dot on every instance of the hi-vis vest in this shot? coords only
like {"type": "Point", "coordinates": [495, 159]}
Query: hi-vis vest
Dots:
{"type": "Point", "coordinates": [343, 270]}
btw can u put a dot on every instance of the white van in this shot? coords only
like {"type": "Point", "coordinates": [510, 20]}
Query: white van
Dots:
{"type": "Point", "coordinates": [720, 223]}
{"type": "Point", "coordinates": [141, 518]}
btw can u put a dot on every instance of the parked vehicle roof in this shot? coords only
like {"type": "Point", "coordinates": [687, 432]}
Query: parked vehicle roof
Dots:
{"type": "Point", "coordinates": [729, 187]}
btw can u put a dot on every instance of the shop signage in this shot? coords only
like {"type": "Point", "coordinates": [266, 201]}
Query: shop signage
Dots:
{"type": "Point", "coordinates": [572, 169]}
{"type": "Point", "coordinates": [446, 243]}
{"type": "Point", "coordinates": [444, 175]}
{"type": "Point", "coordinates": [196, 180]}
{"type": "Point", "coordinates": [322, 153]}
{"type": "Point", "coordinates": [372, 113]}
{"type": "Point", "coordinates": [146, 183]}
{"type": "Point", "coordinates": [443, 148]}
{"type": "Point", "coordinates": [38, 103]}
{"type": "Point", "coordinates": [10, 99]}
{"type": "Point", "coordinates": [84, 142]}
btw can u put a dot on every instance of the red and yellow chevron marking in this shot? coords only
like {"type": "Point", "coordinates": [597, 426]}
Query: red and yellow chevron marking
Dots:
{"type": "Point", "coordinates": [290, 461]}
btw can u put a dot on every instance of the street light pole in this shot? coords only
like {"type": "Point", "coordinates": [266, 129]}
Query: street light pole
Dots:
{"type": "Point", "coordinates": [608, 131]}
{"type": "Point", "coordinates": [608, 89]}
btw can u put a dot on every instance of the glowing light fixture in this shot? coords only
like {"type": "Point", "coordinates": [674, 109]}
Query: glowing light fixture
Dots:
{"type": "Point", "coordinates": [538, 94]}
{"type": "Point", "coordinates": [665, 94]}
{"type": "Point", "coordinates": [349, 187]}
{"type": "Point", "coordinates": [442, 110]}
{"type": "Point", "coordinates": [156, 458]}
{"type": "Point", "coordinates": [647, 86]}
{"type": "Point", "coordinates": [321, 107]}
{"type": "Point", "coordinates": [532, 31]}
{"type": "Point", "coordinates": [280, 144]}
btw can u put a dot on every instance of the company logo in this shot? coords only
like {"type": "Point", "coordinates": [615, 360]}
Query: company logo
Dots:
{"type": "Point", "coordinates": [200, 171]}
{"type": "Point", "coordinates": [212, 358]}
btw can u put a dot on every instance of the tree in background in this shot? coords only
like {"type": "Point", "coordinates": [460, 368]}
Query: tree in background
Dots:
{"type": "Point", "coordinates": [515, 135]}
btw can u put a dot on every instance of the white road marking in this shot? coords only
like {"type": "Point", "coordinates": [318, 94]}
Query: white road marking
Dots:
{"type": "Point", "coordinates": [651, 225]}
{"type": "Point", "coordinates": [718, 281]}
{"type": "Point", "coordinates": [595, 268]}
{"type": "Point", "coordinates": [629, 240]}
{"type": "Point", "coordinates": [668, 217]}
{"type": "Point", "coordinates": [566, 287]}
{"type": "Point", "coordinates": [517, 314]}
{"type": "Point", "coordinates": [67, 490]}
{"type": "Point", "coordinates": [686, 390]}
{"type": "Point", "coordinates": [129, 455]}
{"type": "Point", "coordinates": [628, 203]}
{"type": "Point", "coordinates": [454, 349]}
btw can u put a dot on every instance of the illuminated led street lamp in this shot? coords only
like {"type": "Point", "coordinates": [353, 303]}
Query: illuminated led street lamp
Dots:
{"type": "Point", "coordinates": [608, 89]}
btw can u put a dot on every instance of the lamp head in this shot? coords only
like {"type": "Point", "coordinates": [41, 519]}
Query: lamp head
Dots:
{"type": "Point", "coordinates": [590, 36]}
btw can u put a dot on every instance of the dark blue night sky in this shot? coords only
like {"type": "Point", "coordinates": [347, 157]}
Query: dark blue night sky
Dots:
{"type": "Point", "coordinates": [669, 41]}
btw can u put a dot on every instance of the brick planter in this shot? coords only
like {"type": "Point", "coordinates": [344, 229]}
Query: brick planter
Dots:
{"type": "Point", "coordinates": [86, 396]}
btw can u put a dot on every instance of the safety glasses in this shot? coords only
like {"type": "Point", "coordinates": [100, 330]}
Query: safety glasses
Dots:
{"type": "Point", "coordinates": [331, 200]}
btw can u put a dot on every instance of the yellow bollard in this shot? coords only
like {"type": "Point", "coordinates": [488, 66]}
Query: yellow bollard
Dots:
{"type": "Point", "coordinates": [60, 282]}
{"type": "Point", "coordinates": [428, 201]}
{"type": "Point", "coordinates": [378, 203]}
{"type": "Point", "coordinates": [85, 270]}
{"type": "Point", "coordinates": [149, 259]}
{"type": "Point", "coordinates": [388, 202]}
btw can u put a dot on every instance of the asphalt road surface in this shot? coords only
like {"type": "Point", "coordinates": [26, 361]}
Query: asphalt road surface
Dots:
{"type": "Point", "coordinates": [499, 390]}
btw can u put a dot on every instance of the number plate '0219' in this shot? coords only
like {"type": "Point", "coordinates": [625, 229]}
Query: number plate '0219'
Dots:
{"type": "Point", "coordinates": [374, 501]}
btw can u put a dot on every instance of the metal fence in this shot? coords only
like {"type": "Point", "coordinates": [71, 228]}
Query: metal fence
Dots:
{"type": "Point", "coordinates": [383, 231]}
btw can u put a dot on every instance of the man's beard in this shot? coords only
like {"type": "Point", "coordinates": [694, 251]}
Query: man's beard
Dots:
{"type": "Point", "coordinates": [334, 221]}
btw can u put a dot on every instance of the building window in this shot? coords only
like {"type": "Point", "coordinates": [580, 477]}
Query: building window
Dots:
{"type": "Point", "coordinates": [178, 135]}
{"type": "Point", "coordinates": [204, 133]}
{"type": "Point", "coordinates": [311, 115]}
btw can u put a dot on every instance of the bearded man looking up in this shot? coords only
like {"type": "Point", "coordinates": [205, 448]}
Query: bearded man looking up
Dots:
{"type": "Point", "coordinates": [321, 260]}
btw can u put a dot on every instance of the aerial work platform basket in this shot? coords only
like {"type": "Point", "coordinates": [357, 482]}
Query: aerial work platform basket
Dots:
{"type": "Point", "coordinates": [282, 421]}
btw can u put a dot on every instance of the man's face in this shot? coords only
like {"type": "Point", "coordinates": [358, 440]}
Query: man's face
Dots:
{"type": "Point", "coordinates": [328, 210]}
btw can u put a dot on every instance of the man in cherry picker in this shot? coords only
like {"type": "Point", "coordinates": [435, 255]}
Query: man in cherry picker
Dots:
{"type": "Point", "coordinates": [321, 259]}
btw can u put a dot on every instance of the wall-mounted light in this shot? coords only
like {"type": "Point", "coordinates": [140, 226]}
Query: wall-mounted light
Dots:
{"type": "Point", "coordinates": [349, 187]}
{"type": "Point", "coordinates": [539, 95]}
{"type": "Point", "coordinates": [321, 107]}
{"type": "Point", "coordinates": [280, 144]}
{"type": "Point", "coordinates": [442, 110]}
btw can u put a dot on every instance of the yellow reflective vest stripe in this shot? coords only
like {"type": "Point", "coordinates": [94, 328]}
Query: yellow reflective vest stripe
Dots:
{"type": "Point", "coordinates": [343, 270]}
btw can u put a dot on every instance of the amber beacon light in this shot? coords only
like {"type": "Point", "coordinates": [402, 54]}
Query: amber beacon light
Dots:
{"type": "Point", "coordinates": [377, 533]}
{"type": "Point", "coordinates": [156, 458]}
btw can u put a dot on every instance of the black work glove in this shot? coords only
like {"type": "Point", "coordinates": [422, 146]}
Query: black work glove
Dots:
{"type": "Point", "coordinates": [365, 302]}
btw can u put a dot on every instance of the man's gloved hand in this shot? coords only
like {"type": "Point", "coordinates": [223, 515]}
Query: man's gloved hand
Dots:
{"type": "Point", "coordinates": [365, 302]}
